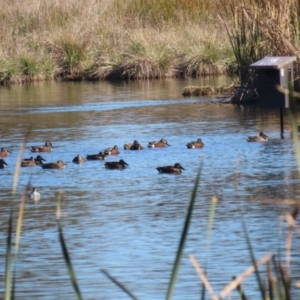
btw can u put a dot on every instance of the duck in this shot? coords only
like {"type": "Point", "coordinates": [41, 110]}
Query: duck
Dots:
{"type": "Point", "coordinates": [134, 146]}
{"type": "Point", "coordinates": [46, 148]}
{"type": "Point", "coordinates": [176, 169]}
{"type": "Point", "coordinates": [28, 162]}
{"type": "Point", "coordinates": [39, 160]}
{"type": "Point", "coordinates": [34, 195]}
{"type": "Point", "coordinates": [121, 164]}
{"type": "Point", "coordinates": [99, 156]}
{"type": "Point", "coordinates": [79, 159]}
{"type": "Point", "coordinates": [3, 164]}
{"type": "Point", "coordinates": [112, 151]}
{"type": "Point", "coordinates": [196, 144]}
{"type": "Point", "coordinates": [54, 165]}
{"type": "Point", "coordinates": [158, 144]}
{"type": "Point", "coordinates": [260, 138]}
{"type": "Point", "coordinates": [4, 152]}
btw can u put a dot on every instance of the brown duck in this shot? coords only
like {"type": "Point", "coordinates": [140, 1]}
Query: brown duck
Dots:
{"type": "Point", "coordinates": [121, 164]}
{"type": "Point", "coordinates": [79, 159]}
{"type": "Point", "coordinates": [54, 165]}
{"type": "Point", "coordinates": [99, 156]}
{"type": "Point", "coordinates": [46, 148]}
{"type": "Point", "coordinates": [158, 144]}
{"type": "Point", "coordinates": [196, 144]}
{"type": "Point", "coordinates": [112, 151]}
{"type": "Point", "coordinates": [134, 146]}
{"type": "Point", "coordinates": [176, 169]}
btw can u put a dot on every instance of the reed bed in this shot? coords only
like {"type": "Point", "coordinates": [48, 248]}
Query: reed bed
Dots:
{"type": "Point", "coordinates": [261, 28]}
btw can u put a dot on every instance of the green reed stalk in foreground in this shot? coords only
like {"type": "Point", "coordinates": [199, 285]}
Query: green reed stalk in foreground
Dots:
{"type": "Point", "coordinates": [279, 286]}
{"type": "Point", "coordinates": [10, 289]}
{"type": "Point", "coordinates": [119, 284]}
{"type": "Point", "coordinates": [183, 237]}
{"type": "Point", "coordinates": [181, 244]}
{"type": "Point", "coordinates": [208, 237]}
{"type": "Point", "coordinates": [8, 259]}
{"type": "Point", "coordinates": [261, 286]}
{"type": "Point", "coordinates": [66, 255]}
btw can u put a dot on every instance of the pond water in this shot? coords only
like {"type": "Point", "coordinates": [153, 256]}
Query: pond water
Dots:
{"type": "Point", "coordinates": [129, 222]}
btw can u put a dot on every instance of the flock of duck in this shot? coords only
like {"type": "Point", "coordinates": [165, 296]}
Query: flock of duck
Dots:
{"type": "Point", "coordinates": [79, 159]}
{"type": "Point", "coordinates": [119, 165]}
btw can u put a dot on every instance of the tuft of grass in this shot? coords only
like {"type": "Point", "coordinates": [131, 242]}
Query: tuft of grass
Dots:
{"type": "Point", "coordinates": [201, 65]}
{"type": "Point", "coordinates": [161, 11]}
{"type": "Point", "coordinates": [69, 53]}
{"type": "Point", "coordinates": [48, 67]}
{"type": "Point", "coordinates": [8, 72]}
{"type": "Point", "coordinates": [29, 66]}
{"type": "Point", "coordinates": [26, 67]}
{"type": "Point", "coordinates": [104, 66]}
{"type": "Point", "coordinates": [148, 58]}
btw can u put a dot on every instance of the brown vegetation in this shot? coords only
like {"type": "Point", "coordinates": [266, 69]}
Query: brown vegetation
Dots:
{"type": "Point", "coordinates": [133, 39]}
{"type": "Point", "coordinates": [209, 90]}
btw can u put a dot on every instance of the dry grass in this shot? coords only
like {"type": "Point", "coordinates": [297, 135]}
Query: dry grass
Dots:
{"type": "Point", "coordinates": [137, 39]}
{"type": "Point", "coordinates": [226, 89]}
{"type": "Point", "coordinates": [104, 39]}
{"type": "Point", "coordinates": [261, 28]}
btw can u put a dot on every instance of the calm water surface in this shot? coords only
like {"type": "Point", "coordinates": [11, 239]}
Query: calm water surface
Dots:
{"type": "Point", "coordinates": [129, 222]}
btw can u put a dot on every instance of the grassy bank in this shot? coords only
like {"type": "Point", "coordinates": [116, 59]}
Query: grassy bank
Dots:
{"type": "Point", "coordinates": [110, 39]}
{"type": "Point", "coordinates": [134, 39]}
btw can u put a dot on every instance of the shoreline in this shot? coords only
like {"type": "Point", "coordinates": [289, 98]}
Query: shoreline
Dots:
{"type": "Point", "coordinates": [117, 73]}
{"type": "Point", "coordinates": [116, 40]}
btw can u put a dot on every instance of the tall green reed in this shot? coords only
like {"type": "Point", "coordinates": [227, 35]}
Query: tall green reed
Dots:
{"type": "Point", "coordinates": [8, 259]}
{"type": "Point", "coordinates": [260, 28]}
{"type": "Point", "coordinates": [119, 284]}
{"type": "Point", "coordinates": [183, 238]}
{"type": "Point", "coordinates": [65, 251]}
{"type": "Point", "coordinates": [9, 276]}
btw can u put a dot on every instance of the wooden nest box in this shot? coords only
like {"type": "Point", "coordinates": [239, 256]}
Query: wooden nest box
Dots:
{"type": "Point", "coordinates": [274, 74]}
